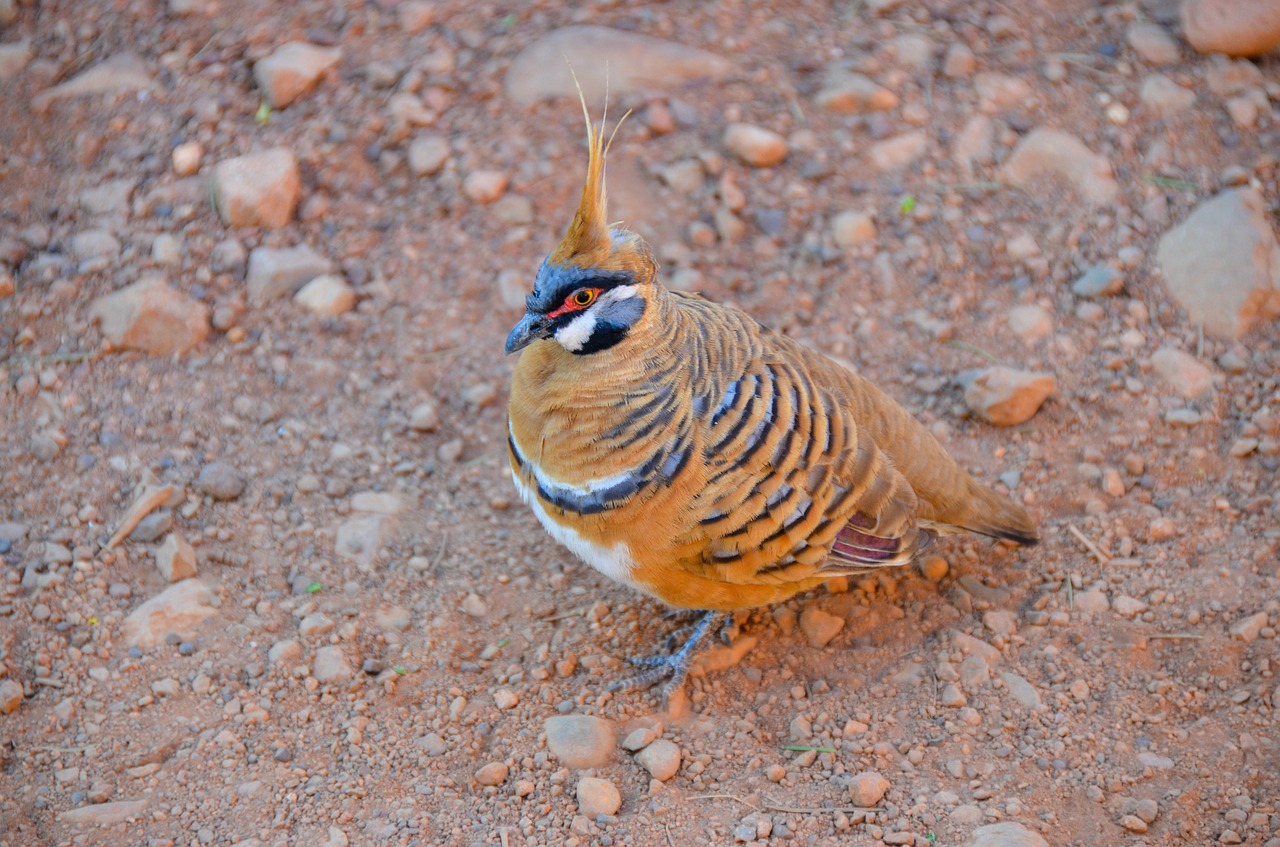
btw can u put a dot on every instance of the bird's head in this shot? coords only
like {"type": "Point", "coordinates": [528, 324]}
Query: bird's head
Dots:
{"type": "Point", "coordinates": [596, 284]}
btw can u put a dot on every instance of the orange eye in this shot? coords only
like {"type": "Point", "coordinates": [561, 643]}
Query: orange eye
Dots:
{"type": "Point", "coordinates": [583, 297]}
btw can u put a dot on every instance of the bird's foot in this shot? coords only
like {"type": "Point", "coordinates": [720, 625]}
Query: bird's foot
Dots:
{"type": "Point", "coordinates": [674, 665]}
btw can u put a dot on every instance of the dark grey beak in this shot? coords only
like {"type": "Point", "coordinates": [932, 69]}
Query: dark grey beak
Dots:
{"type": "Point", "coordinates": [530, 329]}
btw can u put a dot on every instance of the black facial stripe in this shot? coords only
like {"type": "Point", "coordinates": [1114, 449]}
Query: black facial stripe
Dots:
{"type": "Point", "coordinates": [605, 336]}
{"type": "Point", "coordinates": [556, 282]}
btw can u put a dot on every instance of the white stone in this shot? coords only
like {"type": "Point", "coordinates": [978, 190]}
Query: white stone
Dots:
{"type": "Point", "coordinates": [1006, 834]}
{"type": "Point", "coordinates": [331, 665]}
{"type": "Point", "coordinates": [754, 145]}
{"type": "Point", "coordinates": [187, 157]}
{"type": "Point", "coordinates": [326, 295]}
{"type": "Point", "coordinates": [999, 92]}
{"type": "Point", "coordinates": [119, 73]}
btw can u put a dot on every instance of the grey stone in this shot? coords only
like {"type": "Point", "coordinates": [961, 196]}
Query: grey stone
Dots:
{"type": "Point", "coordinates": [220, 481]}
{"type": "Point", "coordinates": [93, 244]}
{"type": "Point", "coordinates": [1222, 264]}
{"type": "Point", "coordinates": [1098, 281]}
{"type": "Point", "coordinates": [580, 741]}
{"type": "Point", "coordinates": [279, 272]}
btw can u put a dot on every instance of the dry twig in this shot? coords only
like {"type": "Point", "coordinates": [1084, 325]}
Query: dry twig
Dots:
{"type": "Point", "coordinates": [769, 805]}
{"type": "Point", "coordinates": [1102, 558]}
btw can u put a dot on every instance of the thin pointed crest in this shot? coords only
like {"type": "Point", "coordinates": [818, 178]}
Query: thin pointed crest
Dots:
{"type": "Point", "coordinates": [587, 240]}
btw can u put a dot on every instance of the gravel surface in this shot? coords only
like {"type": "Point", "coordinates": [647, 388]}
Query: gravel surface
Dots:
{"type": "Point", "coordinates": [257, 262]}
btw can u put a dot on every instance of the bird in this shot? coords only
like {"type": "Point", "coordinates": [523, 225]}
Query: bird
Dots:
{"type": "Point", "coordinates": [682, 448]}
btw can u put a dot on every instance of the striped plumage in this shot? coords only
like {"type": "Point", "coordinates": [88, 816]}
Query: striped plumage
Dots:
{"type": "Point", "coordinates": [682, 448]}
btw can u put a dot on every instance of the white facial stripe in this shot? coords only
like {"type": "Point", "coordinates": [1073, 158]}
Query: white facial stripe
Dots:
{"type": "Point", "coordinates": [575, 335]}
{"type": "Point", "coordinates": [622, 292]}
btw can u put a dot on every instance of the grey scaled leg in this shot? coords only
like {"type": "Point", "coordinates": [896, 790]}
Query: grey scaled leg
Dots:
{"type": "Point", "coordinates": [675, 665]}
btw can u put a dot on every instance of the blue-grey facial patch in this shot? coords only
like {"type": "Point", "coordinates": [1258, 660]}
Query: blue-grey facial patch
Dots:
{"type": "Point", "coordinates": [556, 282]}
{"type": "Point", "coordinates": [623, 313]}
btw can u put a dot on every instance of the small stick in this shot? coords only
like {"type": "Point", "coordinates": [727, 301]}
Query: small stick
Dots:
{"type": "Point", "coordinates": [143, 506]}
{"type": "Point", "coordinates": [774, 807]}
{"type": "Point", "coordinates": [1102, 558]}
{"type": "Point", "coordinates": [573, 614]}
{"type": "Point", "coordinates": [670, 842]}
{"type": "Point", "coordinates": [1176, 635]}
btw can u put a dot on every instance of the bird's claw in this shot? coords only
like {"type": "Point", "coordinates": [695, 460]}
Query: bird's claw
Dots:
{"type": "Point", "coordinates": [674, 665]}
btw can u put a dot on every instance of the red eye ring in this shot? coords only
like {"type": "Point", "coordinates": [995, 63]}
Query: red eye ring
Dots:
{"type": "Point", "coordinates": [582, 298]}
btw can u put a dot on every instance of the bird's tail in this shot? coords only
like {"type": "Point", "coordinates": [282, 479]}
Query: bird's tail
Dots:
{"type": "Point", "coordinates": [991, 513]}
